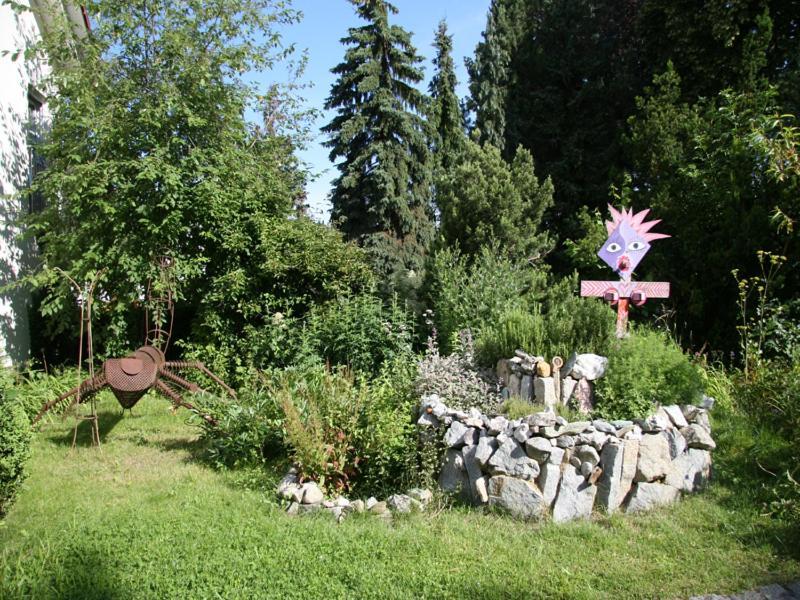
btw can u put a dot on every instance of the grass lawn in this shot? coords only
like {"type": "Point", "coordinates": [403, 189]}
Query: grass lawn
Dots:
{"type": "Point", "coordinates": [142, 518]}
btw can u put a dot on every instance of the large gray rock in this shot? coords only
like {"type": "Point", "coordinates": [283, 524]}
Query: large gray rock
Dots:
{"type": "Point", "coordinates": [484, 450]}
{"type": "Point", "coordinates": [453, 476]}
{"type": "Point", "coordinates": [565, 441]}
{"type": "Point", "coordinates": [522, 433]}
{"type": "Point", "coordinates": [676, 441]}
{"type": "Point", "coordinates": [575, 428]}
{"type": "Point", "coordinates": [604, 427]}
{"type": "Point", "coordinates": [401, 503]}
{"type": "Point", "coordinates": [690, 471]}
{"type": "Point", "coordinates": [596, 439]}
{"type": "Point", "coordinates": [548, 480]}
{"type": "Point", "coordinates": [654, 458]}
{"type": "Point", "coordinates": [473, 468]}
{"type": "Point", "coordinates": [654, 423]}
{"type": "Point", "coordinates": [497, 425]}
{"type": "Point", "coordinates": [583, 396]}
{"type": "Point", "coordinates": [541, 419]}
{"type": "Point", "coordinates": [575, 496]}
{"type": "Point", "coordinates": [630, 460]}
{"type": "Point", "coordinates": [697, 437]}
{"type": "Point", "coordinates": [454, 436]}
{"type": "Point", "coordinates": [544, 390]}
{"type": "Point", "coordinates": [646, 496]}
{"type": "Point", "coordinates": [675, 414]}
{"type": "Point", "coordinates": [312, 494]}
{"type": "Point", "coordinates": [514, 384]}
{"type": "Point", "coordinates": [526, 388]}
{"type": "Point", "coordinates": [522, 499]}
{"type": "Point", "coordinates": [586, 366]}
{"type": "Point", "coordinates": [609, 488]}
{"type": "Point", "coordinates": [539, 449]}
{"type": "Point", "coordinates": [587, 454]}
{"type": "Point", "coordinates": [568, 385]}
{"type": "Point", "coordinates": [510, 459]}
{"type": "Point", "coordinates": [557, 456]}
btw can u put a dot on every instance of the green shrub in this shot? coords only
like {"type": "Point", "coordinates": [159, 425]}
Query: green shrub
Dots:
{"type": "Point", "coordinates": [359, 332]}
{"type": "Point", "coordinates": [387, 444]}
{"type": "Point", "coordinates": [644, 369]}
{"type": "Point", "coordinates": [456, 379]}
{"type": "Point", "coordinates": [252, 313]}
{"type": "Point", "coordinates": [15, 437]}
{"type": "Point", "coordinates": [771, 393]}
{"type": "Point", "coordinates": [516, 408]}
{"type": "Point", "coordinates": [563, 324]}
{"type": "Point", "coordinates": [321, 422]}
{"type": "Point", "coordinates": [340, 430]}
{"type": "Point", "coordinates": [575, 324]}
{"type": "Point", "coordinates": [471, 295]}
{"type": "Point", "coordinates": [249, 429]}
{"type": "Point", "coordinates": [516, 328]}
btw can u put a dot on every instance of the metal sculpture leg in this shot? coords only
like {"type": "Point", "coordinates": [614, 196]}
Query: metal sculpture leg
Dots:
{"type": "Point", "coordinates": [178, 364]}
{"type": "Point", "coordinates": [177, 400]}
{"type": "Point", "coordinates": [84, 391]}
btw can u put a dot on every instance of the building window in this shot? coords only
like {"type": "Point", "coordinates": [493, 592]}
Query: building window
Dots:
{"type": "Point", "coordinates": [36, 129]}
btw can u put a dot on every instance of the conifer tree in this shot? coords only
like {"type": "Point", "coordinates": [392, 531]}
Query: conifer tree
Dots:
{"type": "Point", "coordinates": [490, 73]}
{"type": "Point", "coordinates": [381, 198]}
{"type": "Point", "coordinates": [445, 114]}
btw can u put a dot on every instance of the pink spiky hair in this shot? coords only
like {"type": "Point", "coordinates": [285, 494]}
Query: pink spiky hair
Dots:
{"type": "Point", "coordinates": [636, 221]}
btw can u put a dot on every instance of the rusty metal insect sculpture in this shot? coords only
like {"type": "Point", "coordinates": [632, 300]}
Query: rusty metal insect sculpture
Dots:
{"type": "Point", "coordinates": [131, 377]}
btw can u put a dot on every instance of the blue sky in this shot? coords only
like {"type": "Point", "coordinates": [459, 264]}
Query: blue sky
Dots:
{"type": "Point", "coordinates": [325, 22]}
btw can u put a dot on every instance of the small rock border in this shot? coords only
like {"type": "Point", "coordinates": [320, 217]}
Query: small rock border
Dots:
{"type": "Point", "coordinates": [307, 497]}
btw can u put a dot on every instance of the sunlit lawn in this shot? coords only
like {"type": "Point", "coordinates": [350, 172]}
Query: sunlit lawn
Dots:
{"type": "Point", "coordinates": [143, 518]}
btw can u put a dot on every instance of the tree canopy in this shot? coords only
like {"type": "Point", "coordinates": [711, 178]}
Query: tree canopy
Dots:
{"type": "Point", "coordinates": [381, 198]}
{"type": "Point", "coordinates": [150, 154]}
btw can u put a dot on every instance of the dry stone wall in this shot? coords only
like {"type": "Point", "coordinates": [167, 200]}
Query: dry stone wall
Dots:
{"type": "Point", "coordinates": [542, 465]}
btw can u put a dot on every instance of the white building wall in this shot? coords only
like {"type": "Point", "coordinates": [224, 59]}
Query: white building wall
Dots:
{"type": "Point", "coordinates": [18, 31]}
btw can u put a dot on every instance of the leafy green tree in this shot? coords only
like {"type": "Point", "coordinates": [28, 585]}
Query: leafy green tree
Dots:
{"type": "Point", "coordinates": [446, 120]}
{"type": "Point", "coordinates": [381, 198]}
{"type": "Point", "coordinates": [483, 199]}
{"type": "Point", "coordinates": [149, 153]}
{"type": "Point", "coordinates": [707, 170]}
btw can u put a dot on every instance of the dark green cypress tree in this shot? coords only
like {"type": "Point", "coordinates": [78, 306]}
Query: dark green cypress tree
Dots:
{"type": "Point", "coordinates": [381, 198]}
{"type": "Point", "coordinates": [446, 119]}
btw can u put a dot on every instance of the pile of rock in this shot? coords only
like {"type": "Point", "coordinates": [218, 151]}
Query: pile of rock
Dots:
{"type": "Point", "coordinates": [542, 463]}
{"type": "Point", "coordinates": [532, 378]}
{"type": "Point", "coordinates": [304, 498]}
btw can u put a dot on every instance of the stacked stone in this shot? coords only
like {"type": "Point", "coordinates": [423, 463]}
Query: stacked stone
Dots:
{"type": "Point", "coordinates": [543, 464]}
{"type": "Point", "coordinates": [533, 379]}
{"type": "Point", "coordinates": [304, 498]}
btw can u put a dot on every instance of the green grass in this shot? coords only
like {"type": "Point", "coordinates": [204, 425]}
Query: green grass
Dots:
{"type": "Point", "coordinates": [144, 518]}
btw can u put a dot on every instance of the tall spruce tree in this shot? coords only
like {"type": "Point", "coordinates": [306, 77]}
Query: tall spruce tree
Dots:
{"type": "Point", "coordinates": [381, 198]}
{"type": "Point", "coordinates": [446, 119]}
{"type": "Point", "coordinates": [490, 73]}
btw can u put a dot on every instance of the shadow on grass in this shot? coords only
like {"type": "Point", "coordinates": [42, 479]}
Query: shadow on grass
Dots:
{"type": "Point", "coordinates": [106, 421]}
{"type": "Point", "coordinates": [749, 461]}
{"type": "Point", "coordinates": [81, 574]}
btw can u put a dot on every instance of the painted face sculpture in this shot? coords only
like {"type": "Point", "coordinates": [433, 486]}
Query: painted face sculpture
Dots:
{"type": "Point", "coordinates": [628, 240]}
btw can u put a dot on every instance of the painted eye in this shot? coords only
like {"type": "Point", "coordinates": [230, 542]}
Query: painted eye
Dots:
{"type": "Point", "coordinates": [636, 246]}
{"type": "Point", "coordinates": [613, 247]}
